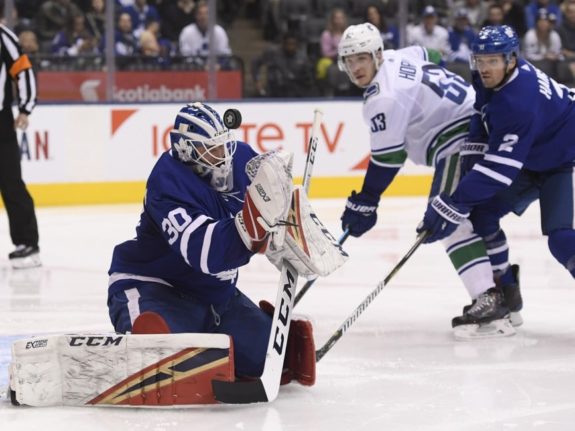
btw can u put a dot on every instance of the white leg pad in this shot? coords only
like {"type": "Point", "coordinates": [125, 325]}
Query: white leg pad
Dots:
{"type": "Point", "coordinates": [117, 369]}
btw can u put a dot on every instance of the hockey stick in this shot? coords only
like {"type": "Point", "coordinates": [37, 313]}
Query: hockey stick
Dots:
{"type": "Point", "coordinates": [319, 353]}
{"type": "Point", "coordinates": [311, 281]}
{"type": "Point", "coordinates": [266, 387]}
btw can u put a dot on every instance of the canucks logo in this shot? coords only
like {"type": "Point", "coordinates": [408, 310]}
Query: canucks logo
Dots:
{"type": "Point", "coordinates": [372, 90]}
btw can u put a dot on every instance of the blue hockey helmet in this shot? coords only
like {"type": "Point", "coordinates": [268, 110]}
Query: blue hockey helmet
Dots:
{"type": "Point", "coordinates": [498, 39]}
{"type": "Point", "coordinates": [200, 139]}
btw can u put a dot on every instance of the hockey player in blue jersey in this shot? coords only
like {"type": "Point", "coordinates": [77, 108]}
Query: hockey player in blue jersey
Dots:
{"type": "Point", "coordinates": [529, 124]}
{"type": "Point", "coordinates": [211, 203]}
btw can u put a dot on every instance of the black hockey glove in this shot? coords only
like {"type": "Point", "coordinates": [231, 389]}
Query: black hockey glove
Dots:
{"type": "Point", "coordinates": [360, 213]}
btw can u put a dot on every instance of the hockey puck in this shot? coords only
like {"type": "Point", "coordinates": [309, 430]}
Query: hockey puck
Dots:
{"type": "Point", "coordinates": [232, 118]}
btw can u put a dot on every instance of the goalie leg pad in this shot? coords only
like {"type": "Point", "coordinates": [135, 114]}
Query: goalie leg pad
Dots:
{"type": "Point", "coordinates": [119, 370]}
{"type": "Point", "coordinates": [300, 360]}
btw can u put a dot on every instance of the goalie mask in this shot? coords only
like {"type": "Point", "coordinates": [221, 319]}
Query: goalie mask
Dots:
{"type": "Point", "coordinates": [200, 140]}
{"type": "Point", "coordinates": [359, 39]}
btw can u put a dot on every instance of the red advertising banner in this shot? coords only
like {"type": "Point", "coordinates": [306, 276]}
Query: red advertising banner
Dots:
{"type": "Point", "coordinates": [134, 87]}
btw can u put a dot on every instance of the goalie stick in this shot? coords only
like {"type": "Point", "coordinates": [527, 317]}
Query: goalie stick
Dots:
{"type": "Point", "coordinates": [266, 387]}
{"type": "Point", "coordinates": [312, 280]}
{"type": "Point", "coordinates": [319, 353]}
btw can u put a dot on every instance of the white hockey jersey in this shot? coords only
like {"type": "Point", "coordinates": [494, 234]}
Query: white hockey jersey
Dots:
{"type": "Point", "coordinates": [415, 109]}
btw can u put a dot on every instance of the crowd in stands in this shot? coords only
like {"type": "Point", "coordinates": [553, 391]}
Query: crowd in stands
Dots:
{"type": "Point", "coordinates": [303, 35]}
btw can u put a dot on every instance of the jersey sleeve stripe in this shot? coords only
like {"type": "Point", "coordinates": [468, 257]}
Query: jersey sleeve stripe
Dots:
{"type": "Point", "coordinates": [503, 161]}
{"type": "Point", "coordinates": [10, 43]}
{"type": "Point", "coordinates": [187, 233]}
{"type": "Point", "coordinates": [492, 174]}
{"type": "Point", "coordinates": [394, 159]}
{"type": "Point", "coordinates": [206, 248]}
{"type": "Point", "coordinates": [388, 149]}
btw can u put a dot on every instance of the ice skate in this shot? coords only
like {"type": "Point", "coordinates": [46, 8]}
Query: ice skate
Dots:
{"type": "Point", "coordinates": [25, 256]}
{"type": "Point", "coordinates": [486, 317]}
{"type": "Point", "coordinates": [512, 295]}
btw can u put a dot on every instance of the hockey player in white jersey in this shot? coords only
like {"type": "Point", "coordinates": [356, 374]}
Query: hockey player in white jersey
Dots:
{"type": "Point", "coordinates": [418, 110]}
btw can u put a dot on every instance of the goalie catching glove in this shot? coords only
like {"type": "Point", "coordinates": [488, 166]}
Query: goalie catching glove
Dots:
{"type": "Point", "coordinates": [267, 200]}
{"type": "Point", "coordinates": [308, 245]}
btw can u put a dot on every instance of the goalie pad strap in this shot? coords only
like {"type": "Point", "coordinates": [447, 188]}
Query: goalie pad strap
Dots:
{"type": "Point", "coordinates": [116, 369]}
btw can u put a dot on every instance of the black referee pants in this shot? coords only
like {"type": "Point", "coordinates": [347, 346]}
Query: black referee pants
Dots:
{"type": "Point", "coordinates": [18, 202]}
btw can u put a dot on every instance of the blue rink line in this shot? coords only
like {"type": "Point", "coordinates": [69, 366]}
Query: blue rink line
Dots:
{"type": "Point", "coordinates": [5, 358]}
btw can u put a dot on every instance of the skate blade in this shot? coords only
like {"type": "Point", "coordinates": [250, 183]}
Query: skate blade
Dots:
{"type": "Point", "coordinates": [32, 261]}
{"type": "Point", "coordinates": [516, 319]}
{"type": "Point", "coordinates": [495, 329]}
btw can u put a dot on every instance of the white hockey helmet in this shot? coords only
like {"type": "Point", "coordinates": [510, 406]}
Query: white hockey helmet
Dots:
{"type": "Point", "coordinates": [357, 39]}
{"type": "Point", "coordinates": [201, 140]}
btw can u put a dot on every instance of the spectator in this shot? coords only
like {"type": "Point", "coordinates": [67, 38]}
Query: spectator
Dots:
{"type": "Point", "coordinates": [514, 16]}
{"type": "Point", "coordinates": [532, 10]}
{"type": "Point", "coordinates": [389, 33]}
{"type": "Point", "coordinates": [429, 34]}
{"type": "Point", "coordinates": [53, 16]}
{"type": "Point", "coordinates": [29, 42]}
{"type": "Point", "coordinates": [75, 39]}
{"type": "Point", "coordinates": [177, 16]}
{"type": "Point", "coordinates": [441, 7]}
{"type": "Point", "coordinates": [461, 36]}
{"type": "Point", "coordinates": [495, 15]}
{"type": "Point", "coordinates": [567, 32]}
{"type": "Point", "coordinates": [330, 37]}
{"type": "Point", "coordinates": [194, 39]}
{"type": "Point", "coordinates": [125, 43]}
{"type": "Point", "coordinates": [542, 44]}
{"type": "Point", "coordinates": [141, 12]}
{"type": "Point", "coordinates": [476, 11]}
{"type": "Point", "coordinates": [96, 18]}
{"type": "Point", "coordinates": [289, 73]}
{"type": "Point", "coordinates": [153, 45]}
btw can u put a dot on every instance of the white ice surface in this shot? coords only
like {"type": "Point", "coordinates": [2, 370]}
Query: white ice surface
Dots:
{"type": "Point", "coordinates": [397, 368]}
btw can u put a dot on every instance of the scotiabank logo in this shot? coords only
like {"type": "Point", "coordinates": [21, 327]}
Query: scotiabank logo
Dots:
{"type": "Point", "coordinates": [90, 89]}
{"type": "Point", "coordinates": [145, 93]}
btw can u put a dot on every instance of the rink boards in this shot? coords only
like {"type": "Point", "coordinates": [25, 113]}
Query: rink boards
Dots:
{"type": "Point", "coordinates": [92, 154]}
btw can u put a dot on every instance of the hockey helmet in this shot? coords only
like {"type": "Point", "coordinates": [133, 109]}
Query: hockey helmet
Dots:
{"type": "Point", "coordinates": [500, 39]}
{"type": "Point", "coordinates": [200, 139]}
{"type": "Point", "coordinates": [358, 39]}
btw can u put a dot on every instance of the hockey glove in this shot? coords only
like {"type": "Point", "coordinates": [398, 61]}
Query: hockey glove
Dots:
{"type": "Point", "coordinates": [266, 202]}
{"type": "Point", "coordinates": [441, 218]}
{"type": "Point", "coordinates": [360, 213]}
{"type": "Point", "coordinates": [469, 154]}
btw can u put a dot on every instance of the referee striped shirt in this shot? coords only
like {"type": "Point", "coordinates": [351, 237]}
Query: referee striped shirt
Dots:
{"type": "Point", "coordinates": [15, 65]}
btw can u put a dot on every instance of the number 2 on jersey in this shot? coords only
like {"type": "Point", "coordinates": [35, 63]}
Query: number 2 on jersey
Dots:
{"type": "Point", "coordinates": [445, 83]}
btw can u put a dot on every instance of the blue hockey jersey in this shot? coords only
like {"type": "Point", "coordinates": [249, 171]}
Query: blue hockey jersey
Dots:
{"type": "Point", "coordinates": [186, 237]}
{"type": "Point", "coordinates": [530, 122]}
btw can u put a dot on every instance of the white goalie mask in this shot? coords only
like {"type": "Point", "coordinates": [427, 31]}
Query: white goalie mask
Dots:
{"type": "Point", "coordinates": [201, 140]}
{"type": "Point", "coordinates": [359, 39]}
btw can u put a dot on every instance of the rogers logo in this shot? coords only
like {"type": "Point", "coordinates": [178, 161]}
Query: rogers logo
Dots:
{"type": "Point", "coordinates": [145, 93]}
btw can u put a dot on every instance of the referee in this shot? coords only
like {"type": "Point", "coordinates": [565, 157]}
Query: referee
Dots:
{"type": "Point", "coordinates": [15, 68]}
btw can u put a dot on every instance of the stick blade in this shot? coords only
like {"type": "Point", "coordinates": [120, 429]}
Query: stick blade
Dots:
{"type": "Point", "coordinates": [239, 392]}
